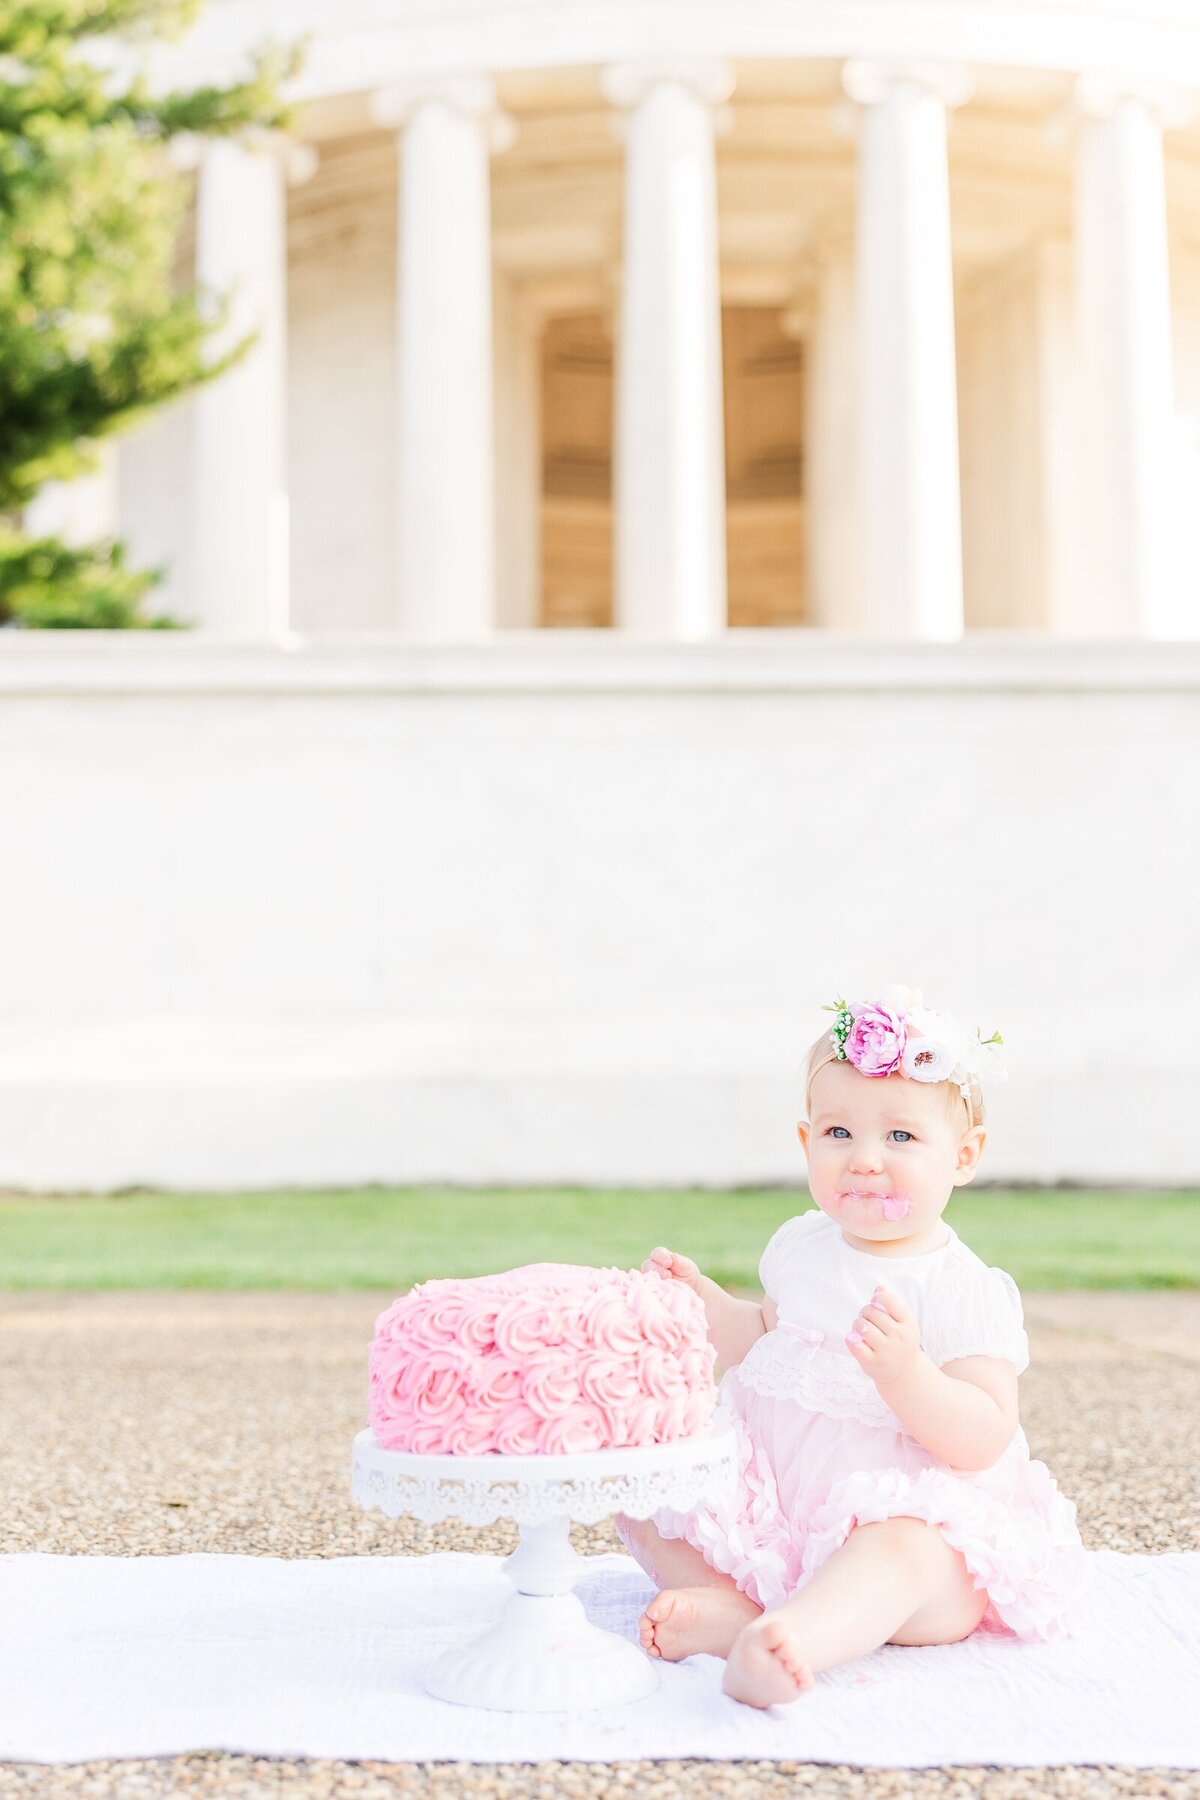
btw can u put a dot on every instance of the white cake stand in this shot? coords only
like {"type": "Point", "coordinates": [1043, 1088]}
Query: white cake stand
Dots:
{"type": "Point", "coordinates": [543, 1655]}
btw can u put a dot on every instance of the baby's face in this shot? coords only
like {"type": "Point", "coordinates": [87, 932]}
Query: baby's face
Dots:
{"type": "Point", "coordinates": [885, 1154]}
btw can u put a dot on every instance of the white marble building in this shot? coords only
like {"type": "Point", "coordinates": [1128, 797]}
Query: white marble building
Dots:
{"type": "Point", "coordinates": [710, 520]}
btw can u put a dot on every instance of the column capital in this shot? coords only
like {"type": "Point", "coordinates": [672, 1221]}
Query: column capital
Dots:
{"type": "Point", "coordinates": [868, 80]}
{"type": "Point", "coordinates": [1103, 96]}
{"type": "Point", "coordinates": [709, 80]}
{"type": "Point", "coordinates": [189, 150]}
{"type": "Point", "coordinates": [472, 96]}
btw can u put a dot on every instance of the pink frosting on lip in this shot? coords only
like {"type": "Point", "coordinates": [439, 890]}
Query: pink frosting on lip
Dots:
{"type": "Point", "coordinates": [893, 1206]}
{"type": "Point", "coordinates": [551, 1359]}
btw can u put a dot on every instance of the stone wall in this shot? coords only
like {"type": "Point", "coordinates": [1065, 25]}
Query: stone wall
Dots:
{"type": "Point", "coordinates": [564, 909]}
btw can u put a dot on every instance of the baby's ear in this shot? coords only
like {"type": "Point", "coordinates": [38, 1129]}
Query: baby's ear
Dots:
{"type": "Point", "coordinates": [969, 1152]}
{"type": "Point", "coordinates": [802, 1132]}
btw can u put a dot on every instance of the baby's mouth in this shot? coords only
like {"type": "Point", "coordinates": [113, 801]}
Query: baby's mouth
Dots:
{"type": "Point", "coordinates": [892, 1206]}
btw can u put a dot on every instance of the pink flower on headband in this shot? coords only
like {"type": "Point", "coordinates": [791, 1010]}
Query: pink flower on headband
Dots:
{"type": "Point", "coordinates": [875, 1044]}
{"type": "Point", "coordinates": [897, 1032]}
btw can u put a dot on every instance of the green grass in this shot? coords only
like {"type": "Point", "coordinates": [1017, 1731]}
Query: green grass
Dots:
{"type": "Point", "coordinates": [387, 1237]}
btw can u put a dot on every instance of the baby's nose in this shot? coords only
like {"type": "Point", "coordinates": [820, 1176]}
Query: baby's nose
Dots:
{"type": "Point", "coordinates": [866, 1161]}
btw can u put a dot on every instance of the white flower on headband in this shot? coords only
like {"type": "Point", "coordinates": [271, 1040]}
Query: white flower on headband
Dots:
{"type": "Point", "coordinates": [898, 1034]}
{"type": "Point", "coordinates": [926, 1059]}
{"type": "Point", "coordinates": [983, 1058]}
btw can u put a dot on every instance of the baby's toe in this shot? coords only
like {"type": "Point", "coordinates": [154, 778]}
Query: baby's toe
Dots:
{"type": "Point", "coordinates": [755, 1672]}
{"type": "Point", "coordinates": [796, 1667]}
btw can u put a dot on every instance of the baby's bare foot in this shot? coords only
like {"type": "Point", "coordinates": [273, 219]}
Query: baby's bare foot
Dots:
{"type": "Point", "coordinates": [765, 1665]}
{"type": "Point", "coordinates": [694, 1621]}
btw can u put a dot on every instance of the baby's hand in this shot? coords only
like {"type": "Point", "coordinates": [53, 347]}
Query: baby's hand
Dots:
{"type": "Point", "coordinates": [680, 1268]}
{"type": "Point", "coordinates": [883, 1339]}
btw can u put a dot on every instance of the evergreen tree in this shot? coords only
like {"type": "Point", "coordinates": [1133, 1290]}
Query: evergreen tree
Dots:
{"type": "Point", "coordinates": [94, 330]}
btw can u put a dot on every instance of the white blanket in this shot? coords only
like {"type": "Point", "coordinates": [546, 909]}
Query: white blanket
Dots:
{"type": "Point", "coordinates": [152, 1656]}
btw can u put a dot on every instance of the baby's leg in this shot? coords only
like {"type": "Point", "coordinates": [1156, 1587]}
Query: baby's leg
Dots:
{"type": "Point", "coordinates": [897, 1582]}
{"type": "Point", "coordinates": [698, 1611]}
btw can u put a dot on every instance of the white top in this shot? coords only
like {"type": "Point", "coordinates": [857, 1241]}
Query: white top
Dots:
{"type": "Point", "coordinates": [962, 1307]}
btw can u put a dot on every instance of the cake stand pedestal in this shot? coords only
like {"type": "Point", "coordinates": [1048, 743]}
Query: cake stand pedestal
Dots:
{"type": "Point", "coordinates": [543, 1655]}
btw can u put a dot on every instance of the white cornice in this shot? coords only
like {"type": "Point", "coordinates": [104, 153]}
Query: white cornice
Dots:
{"type": "Point", "coordinates": [364, 43]}
{"type": "Point", "coordinates": [158, 666]}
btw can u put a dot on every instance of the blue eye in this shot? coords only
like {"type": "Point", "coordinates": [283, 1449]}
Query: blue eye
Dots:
{"type": "Point", "coordinates": [837, 1131]}
{"type": "Point", "coordinates": [903, 1137]}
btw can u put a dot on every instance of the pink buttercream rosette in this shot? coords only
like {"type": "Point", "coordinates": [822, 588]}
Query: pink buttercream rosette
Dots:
{"type": "Point", "coordinates": [550, 1359]}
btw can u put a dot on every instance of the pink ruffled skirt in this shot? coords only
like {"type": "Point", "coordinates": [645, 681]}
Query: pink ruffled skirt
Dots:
{"type": "Point", "coordinates": [807, 1479]}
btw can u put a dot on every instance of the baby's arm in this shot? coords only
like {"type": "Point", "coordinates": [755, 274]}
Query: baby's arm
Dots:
{"type": "Point", "coordinates": [965, 1413]}
{"type": "Point", "coordinates": [733, 1325]}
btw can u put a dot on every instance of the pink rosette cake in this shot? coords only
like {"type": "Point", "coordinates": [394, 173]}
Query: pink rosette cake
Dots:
{"type": "Point", "coordinates": [548, 1359]}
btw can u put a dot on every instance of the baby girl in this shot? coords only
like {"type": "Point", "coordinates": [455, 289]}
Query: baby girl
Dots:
{"type": "Point", "coordinates": [887, 1494]}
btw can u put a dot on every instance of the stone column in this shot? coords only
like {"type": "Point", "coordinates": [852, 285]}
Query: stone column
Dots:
{"type": "Point", "coordinates": [669, 481]}
{"type": "Point", "coordinates": [907, 405]}
{"type": "Point", "coordinates": [240, 523]}
{"type": "Point", "coordinates": [829, 452]}
{"type": "Point", "coordinates": [445, 465]}
{"type": "Point", "coordinates": [1126, 406]}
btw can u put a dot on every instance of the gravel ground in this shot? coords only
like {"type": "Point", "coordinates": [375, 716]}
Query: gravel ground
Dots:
{"type": "Point", "coordinates": [255, 1399]}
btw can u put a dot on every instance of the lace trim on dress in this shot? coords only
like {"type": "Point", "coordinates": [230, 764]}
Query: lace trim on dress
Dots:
{"type": "Point", "coordinates": [786, 1365]}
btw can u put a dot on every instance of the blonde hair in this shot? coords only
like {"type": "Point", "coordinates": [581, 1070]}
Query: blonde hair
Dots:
{"type": "Point", "coordinates": [823, 1052]}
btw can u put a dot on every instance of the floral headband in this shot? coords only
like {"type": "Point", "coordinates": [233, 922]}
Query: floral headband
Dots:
{"type": "Point", "coordinates": [898, 1034]}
